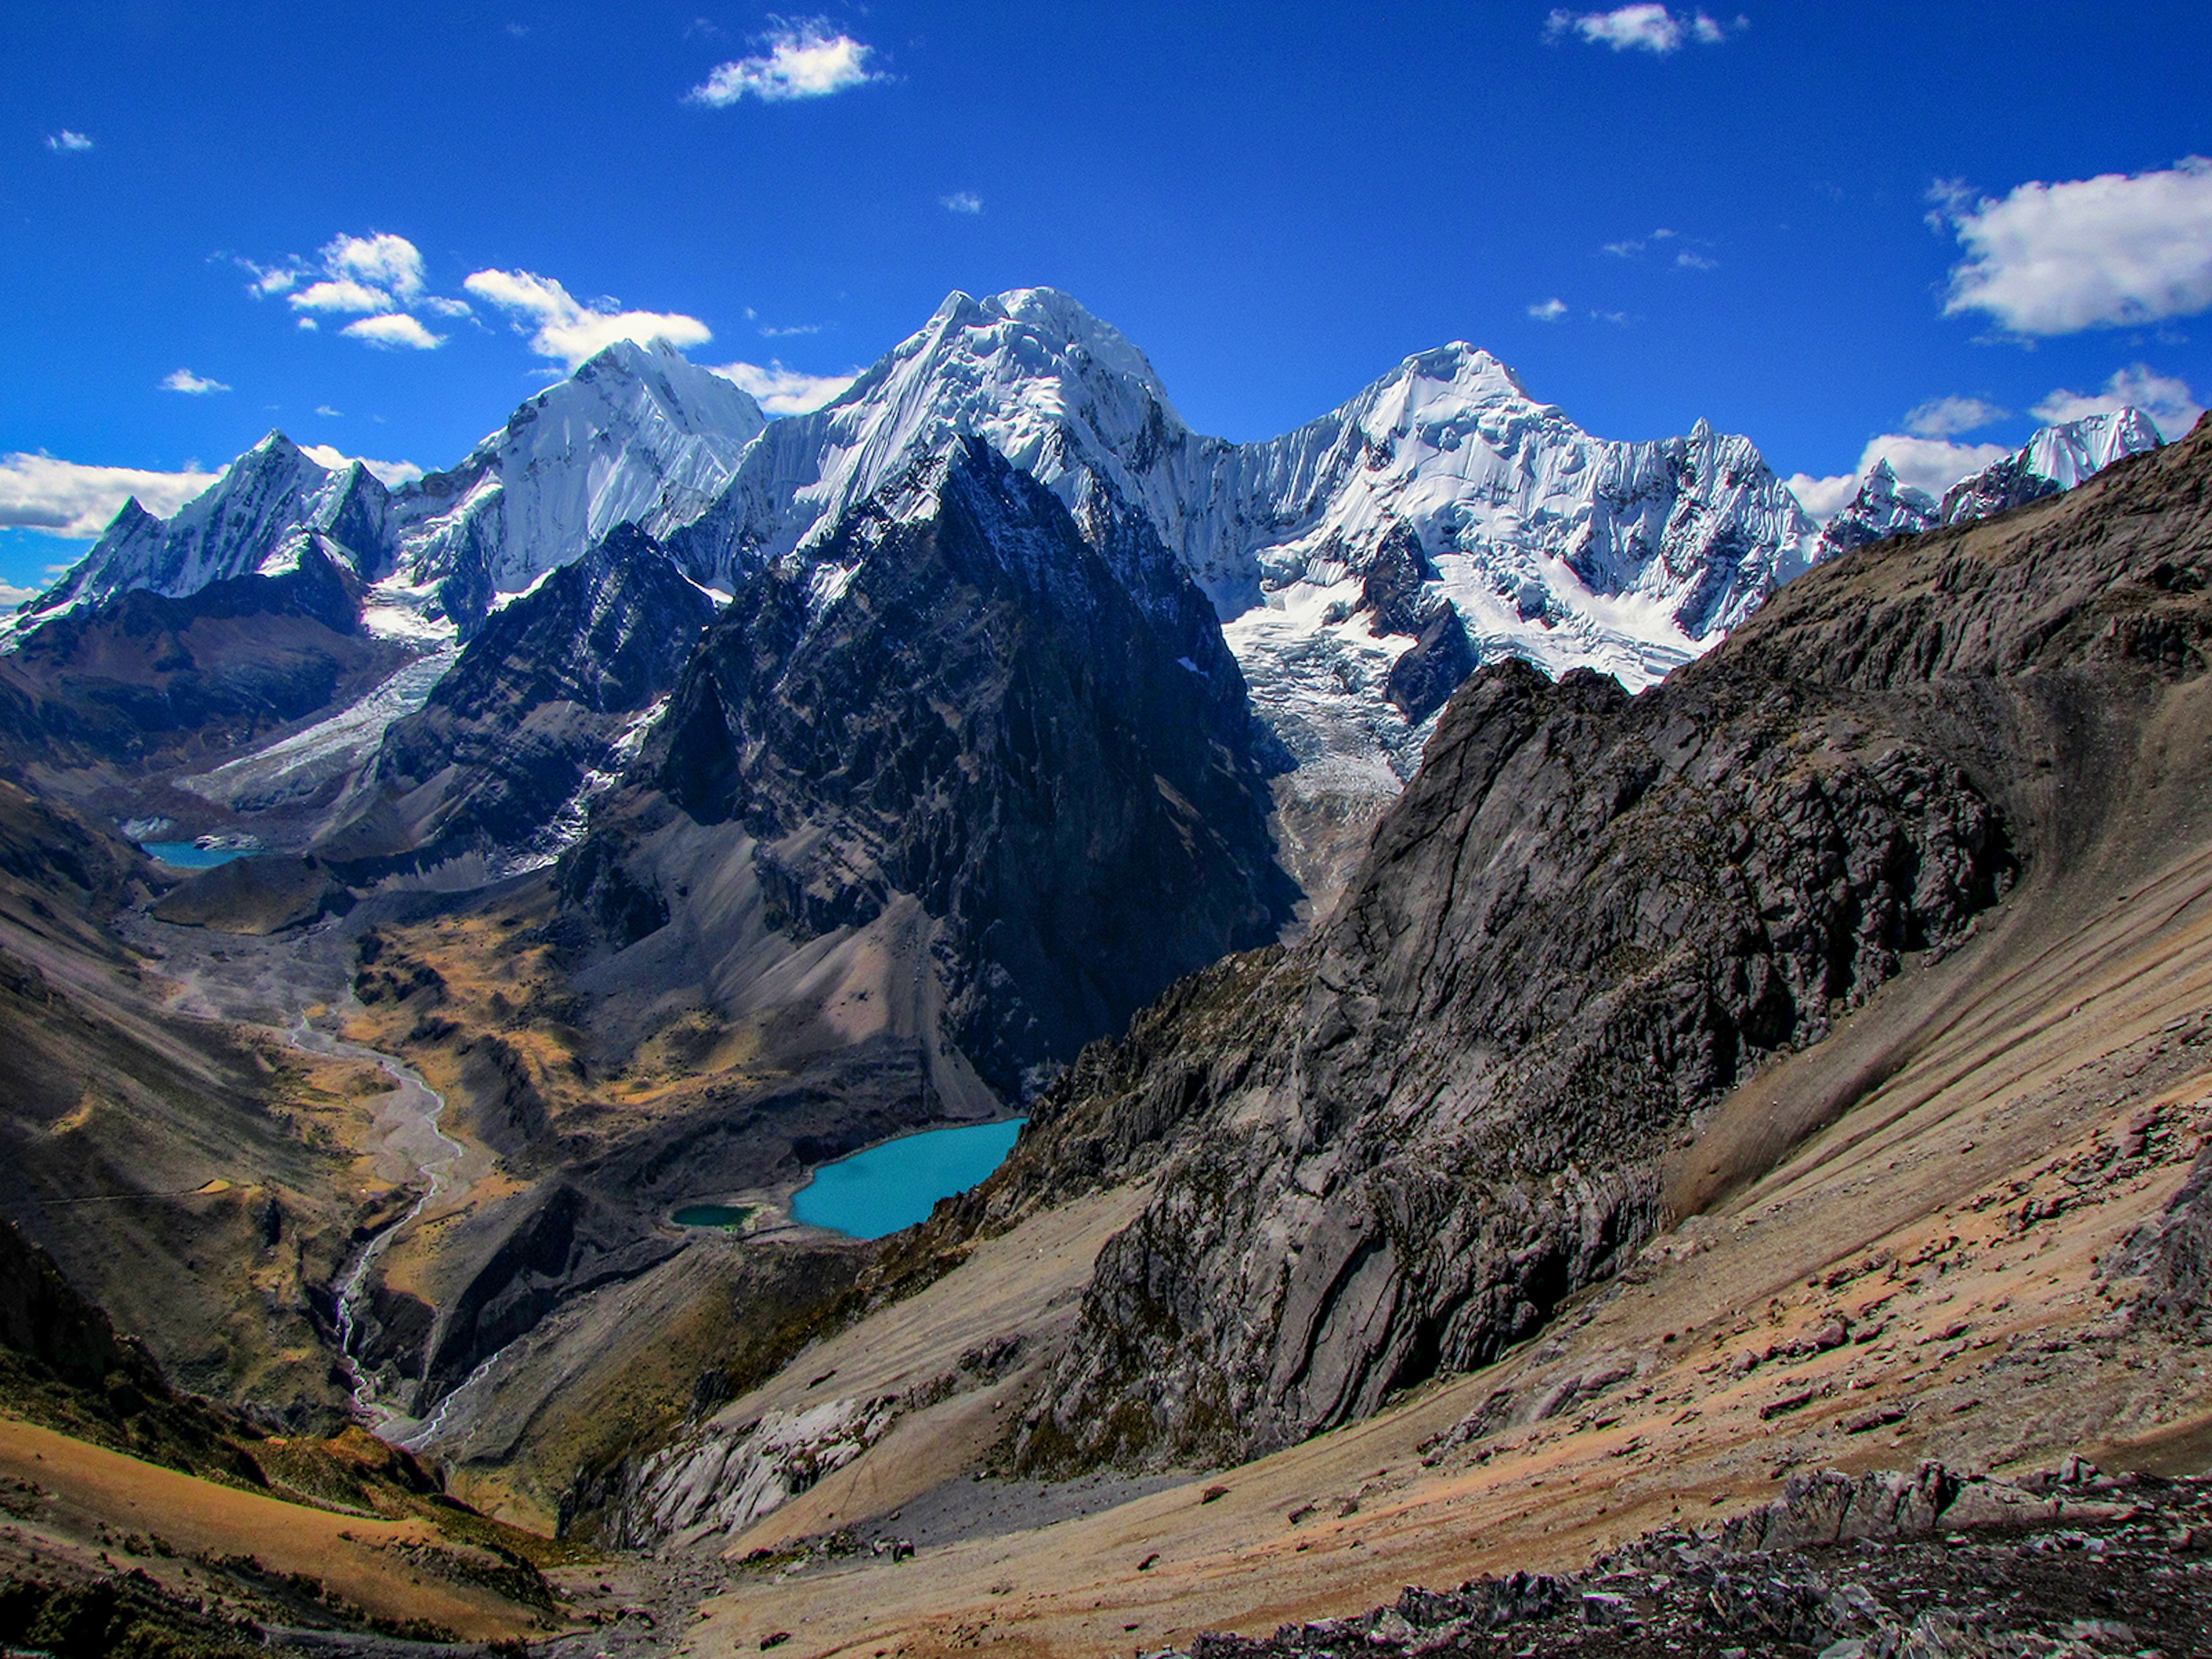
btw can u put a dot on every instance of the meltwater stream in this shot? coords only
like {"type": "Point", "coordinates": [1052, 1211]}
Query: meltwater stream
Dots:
{"type": "Point", "coordinates": [407, 1126]}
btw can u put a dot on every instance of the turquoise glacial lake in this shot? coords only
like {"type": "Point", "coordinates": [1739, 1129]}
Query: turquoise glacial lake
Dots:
{"type": "Point", "coordinates": [184, 855]}
{"type": "Point", "coordinates": [878, 1191]}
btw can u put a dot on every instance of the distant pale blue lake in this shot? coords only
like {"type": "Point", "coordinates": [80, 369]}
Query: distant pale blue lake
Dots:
{"type": "Point", "coordinates": [886, 1188]}
{"type": "Point", "coordinates": [184, 855]}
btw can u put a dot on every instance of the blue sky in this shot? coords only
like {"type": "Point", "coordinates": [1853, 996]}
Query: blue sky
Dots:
{"type": "Point", "coordinates": [1731, 208]}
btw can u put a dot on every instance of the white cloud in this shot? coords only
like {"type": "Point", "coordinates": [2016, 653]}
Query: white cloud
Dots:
{"type": "Point", "coordinates": [394, 330]}
{"type": "Point", "coordinates": [786, 390]}
{"type": "Point", "coordinates": [1944, 417]}
{"type": "Point", "coordinates": [1618, 319]}
{"type": "Point", "coordinates": [1933, 464]}
{"type": "Point", "coordinates": [1689, 261]}
{"type": "Point", "coordinates": [1548, 311]}
{"type": "Point", "coordinates": [1651, 28]}
{"type": "Point", "coordinates": [196, 385]}
{"type": "Point", "coordinates": [770, 332]}
{"type": "Point", "coordinates": [12, 597]}
{"type": "Point", "coordinates": [66, 498]}
{"type": "Point", "coordinates": [963, 201]}
{"type": "Point", "coordinates": [2166, 398]}
{"type": "Point", "coordinates": [67, 142]}
{"type": "Point", "coordinates": [804, 60]}
{"type": "Point", "coordinates": [341, 294]}
{"type": "Point", "coordinates": [268, 279]}
{"type": "Point", "coordinates": [567, 330]}
{"type": "Point", "coordinates": [328, 413]}
{"type": "Point", "coordinates": [380, 258]}
{"type": "Point", "coordinates": [1823, 497]}
{"type": "Point", "coordinates": [1627, 250]}
{"type": "Point", "coordinates": [390, 474]}
{"type": "Point", "coordinates": [377, 278]}
{"type": "Point", "coordinates": [2109, 251]}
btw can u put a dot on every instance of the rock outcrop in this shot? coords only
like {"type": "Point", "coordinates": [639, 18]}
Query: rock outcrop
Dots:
{"type": "Point", "coordinates": [1396, 1148]}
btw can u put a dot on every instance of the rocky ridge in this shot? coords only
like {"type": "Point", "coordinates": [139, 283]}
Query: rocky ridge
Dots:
{"type": "Point", "coordinates": [1584, 920]}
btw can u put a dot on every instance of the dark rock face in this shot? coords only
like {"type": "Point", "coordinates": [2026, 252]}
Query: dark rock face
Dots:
{"type": "Point", "coordinates": [1996, 488]}
{"type": "Point", "coordinates": [955, 698]}
{"type": "Point", "coordinates": [141, 676]}
{"type": "Point", "coordinates": [535, 705]}
{"type": "Point", "coordinates": [1443, 655]}
{"type": "Point", "coordinates": [1398, 1147]}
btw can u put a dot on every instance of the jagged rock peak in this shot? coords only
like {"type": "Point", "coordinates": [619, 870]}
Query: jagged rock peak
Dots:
{"type": "Point", "coordinates": [1881, 508]}
{"type": "Point", "coordinates": [257, 516]}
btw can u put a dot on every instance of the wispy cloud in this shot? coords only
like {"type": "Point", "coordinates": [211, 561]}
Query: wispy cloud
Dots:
{"type": "Point", "coordinates": [1651, 28]}
{"type": "Point", "coordinates": [2166, 398]}
{"type": "Point", "coordinates": [962, 201]}
{"type": "Point", "coordinates": [194, 385]}
{"type": "Point", "coordinates": [340, 293]}
{"type": "Point", "coordinates": [2115, 250]}
{"type": "Point", "coordinates": [803, 59]}
{"type": "Point", "coordinates": [67, 142]}
{"type": "Point", "coordinates": [67, 498]}
{"type": "Point", "coordinates": [389, 261]}
{"type": "Point", "coordinates": [328, 413]}
{"type": "Point", "coordinates": [562, 328]}
{"type": "Point", "coordinates": [1548, 311]}
{"type": "Point", "coordinates": [1945, 417]}
{"type": "Point", "coordinates": [1690, 261]}
{"type": "Point", "coordinates": [771, 331]}
{"type": "Point", "coordinates": [393, 330]}
{"type": "Point", "coordinates": [378, 278]}
{"type": "Point", "coordinates": [783, 391]}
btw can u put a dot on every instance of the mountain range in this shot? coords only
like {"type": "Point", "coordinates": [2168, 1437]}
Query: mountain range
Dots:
{"type": "Point", "coordinates": [1545, 987]}
{"type": "Point", "coordinates": [1360, 567]}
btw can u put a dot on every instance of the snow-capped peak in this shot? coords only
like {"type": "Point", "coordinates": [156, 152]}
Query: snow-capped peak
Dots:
{"type": "Point", "coordinates": [637, 435]}
{"type": "Point", "coordinates": [2056, 458]}
{"type": "Point", "coordinates": [1881, 508]}
{"type": "Point", "coordinates": [2074, 450]}
{"type": "Point", "coordinates": [255, 516]}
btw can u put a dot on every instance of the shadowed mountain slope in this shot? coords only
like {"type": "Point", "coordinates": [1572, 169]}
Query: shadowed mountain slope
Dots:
{"type": "Point", "coordinates": [957, 705]}
{"type": "Point", "coordinates": [495, 763]}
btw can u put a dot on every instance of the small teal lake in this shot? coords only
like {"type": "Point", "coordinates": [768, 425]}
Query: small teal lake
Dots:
{"type": "Point", "coordinates": [185, 855]}
{"type": "Point", "coordinates": [876, 1192]}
